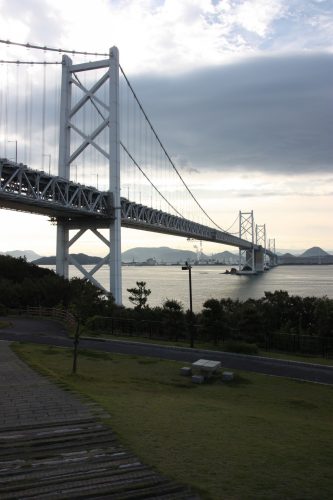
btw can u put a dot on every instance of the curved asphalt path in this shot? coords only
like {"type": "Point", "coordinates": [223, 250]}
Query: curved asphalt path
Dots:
{"type": "Point", "coordinates": [42, 331]}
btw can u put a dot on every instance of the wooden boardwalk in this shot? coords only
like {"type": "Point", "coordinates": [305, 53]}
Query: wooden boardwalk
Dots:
{"type": "Point", "coordinates": [53, 446]}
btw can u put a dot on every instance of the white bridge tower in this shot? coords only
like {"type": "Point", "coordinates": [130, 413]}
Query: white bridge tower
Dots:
{"type": "Point", "coordinates": [70, 153]}
{"type": "Point", "coordinates": [246, 232]}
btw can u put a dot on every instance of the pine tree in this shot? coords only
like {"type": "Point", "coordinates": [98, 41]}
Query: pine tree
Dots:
{"type": "Point", "coordinates": [139, 295]}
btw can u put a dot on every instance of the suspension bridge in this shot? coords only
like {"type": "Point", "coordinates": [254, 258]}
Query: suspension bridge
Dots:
{"type": "Point", "coordinates": [80, 145]}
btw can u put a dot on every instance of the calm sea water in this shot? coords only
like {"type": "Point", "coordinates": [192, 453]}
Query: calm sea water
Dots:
{"type": "Point", "coordinates": [170, 282]}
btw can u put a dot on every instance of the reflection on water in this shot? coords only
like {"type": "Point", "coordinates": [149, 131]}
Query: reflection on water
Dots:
{"type": "Point", "coordinates": [172, 283]}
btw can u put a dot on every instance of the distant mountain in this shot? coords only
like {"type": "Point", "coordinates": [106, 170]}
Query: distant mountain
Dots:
{"type": "Point", "coordinates": [82, 259]}
{"type": "Point", "coordinates": [160, 254]}
{"type": "Point", "coordinates": [30, 255]}
{"type": "Point", "coordinates": [314, 252]}
{"type": "Point", "coordinates": [312, 256]}
{"type": "Point", "coordinates": [227, 257]}
{"type": "Point", "coordinates": [168, 255]}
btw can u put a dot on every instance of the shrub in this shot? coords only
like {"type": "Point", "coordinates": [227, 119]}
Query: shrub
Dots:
{"type": "Point", "coordinates": [3, 310]}
{"type": "Point", "coordinates": [241, 347]}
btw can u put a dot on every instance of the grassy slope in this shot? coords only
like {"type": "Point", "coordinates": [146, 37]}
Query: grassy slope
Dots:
{"type": "Point", "coordinates": [257, 438]}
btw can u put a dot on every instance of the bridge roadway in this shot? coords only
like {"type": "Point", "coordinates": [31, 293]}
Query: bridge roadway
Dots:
{"type": "Point", "coordinates": [79, 206]}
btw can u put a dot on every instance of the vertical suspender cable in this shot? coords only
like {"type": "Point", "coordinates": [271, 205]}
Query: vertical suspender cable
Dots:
{"type": "Point", "coordinates": [85, 110]}
{"type": "Point", "coordinates": [31, 100]}
{"type": "Point", "coordinates": [1, 103]}
{"type": "Point", "coordinates": [26, 114]}
{"type": "Point", "coordinates": [43, 114]}
{"type": "Point", "coordinates": [56, 94]}
{"type": "Point", "coordinates": [16, 104]}
{"type": "Point", "coordinates": [26, 108]}
{"type": "Point", "coordinates": [6, 113]}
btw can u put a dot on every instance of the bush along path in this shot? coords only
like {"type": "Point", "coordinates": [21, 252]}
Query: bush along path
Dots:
{"type": "Point", "coordinates": [52, 445]}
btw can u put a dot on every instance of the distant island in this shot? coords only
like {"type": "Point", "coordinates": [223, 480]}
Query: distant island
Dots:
{"type": "Point", "coordinates": [312, 256]}
{"type": "Point", "coordinates": [151, 256]}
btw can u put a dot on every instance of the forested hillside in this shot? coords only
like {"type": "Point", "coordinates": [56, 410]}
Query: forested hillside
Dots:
{"type": "Point", "coordinates": [24, 284]}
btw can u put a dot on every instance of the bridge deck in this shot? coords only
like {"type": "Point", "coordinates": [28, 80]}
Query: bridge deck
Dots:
{"type": "Point", "coordinates": [80, 206]}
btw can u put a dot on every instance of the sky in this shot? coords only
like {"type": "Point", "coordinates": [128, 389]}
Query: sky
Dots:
{"type": "Point", "coordinates": [240, 91]}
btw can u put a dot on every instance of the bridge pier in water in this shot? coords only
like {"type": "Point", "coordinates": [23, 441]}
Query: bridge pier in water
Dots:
{"type": "Point", "coordinates": [259, 260]}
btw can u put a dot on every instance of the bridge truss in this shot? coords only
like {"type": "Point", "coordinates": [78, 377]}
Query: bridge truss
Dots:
{"type": "Point", "coordinates": [77, 206]}
{"type": "Point", "coordinates": [82, 208]}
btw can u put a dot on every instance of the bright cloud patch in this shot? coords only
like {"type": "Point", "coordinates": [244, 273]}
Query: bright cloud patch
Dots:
{"type": "Point", "coordinates": [171, 35]}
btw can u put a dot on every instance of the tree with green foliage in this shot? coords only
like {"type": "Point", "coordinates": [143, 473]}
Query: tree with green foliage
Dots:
{"type": "Point", "coordinates": [251, 321]}
{"type": "Point", "coordinates": [277, 309]}
{"type": "Point", "coordinates": [214, 320]}
{"type": "Point", "coordinates": [24, 284]}
{"type": "Point", "coordinates": [87, 300]}
{"type": "Point", "coordinates": [139, 295]}
{"type": "Point", "coordinates": [173, 319]}
{"type": "Point", "coordinates": [323, 317]}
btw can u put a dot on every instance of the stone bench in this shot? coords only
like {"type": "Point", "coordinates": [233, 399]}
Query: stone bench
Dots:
{"type": "Point", "coordinates": [204, 368]}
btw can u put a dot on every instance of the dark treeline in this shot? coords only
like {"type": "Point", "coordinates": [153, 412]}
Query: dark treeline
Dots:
{"type": "Point", "coordinates": [23, 284]}
{"type": "Point", "coordinates": [276, 321]}
{"type": "Point", "coordinates": [276, 312]}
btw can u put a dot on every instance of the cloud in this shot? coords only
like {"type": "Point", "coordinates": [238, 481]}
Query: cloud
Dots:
{"type": "Point", "coordinates": [270, 115]}
{"type": "Point", "coordinates": [171, 35]}
{"type": "Point", "coordinates": [257, 16]}
{"type": "Point", "coordinates": [264, 114]}
{"type": "Point", "coordinates": [31, 20]}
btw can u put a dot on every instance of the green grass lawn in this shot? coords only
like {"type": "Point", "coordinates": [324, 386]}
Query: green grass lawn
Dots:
{"type": "Point", "coordinates": [5, 324]}
{"type": "Point", "coordinates": [258, 437]}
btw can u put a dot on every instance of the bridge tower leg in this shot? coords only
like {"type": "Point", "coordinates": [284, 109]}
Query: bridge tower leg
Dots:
{"type": "Point", "coordinates": [271, 247]}
{"type": "Point", "coordinates": [108, 113]}
{"type": "Point", "coordinates": [260, 255]}
{"type": "Point", "coordinates": [114, 179]}
{"type": "Point", "coordinates": [246, 231]}
{"type": "Point", "coordinates": [64, 162]}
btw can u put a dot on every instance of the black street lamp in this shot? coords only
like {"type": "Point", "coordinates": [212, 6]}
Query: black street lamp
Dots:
{"type": "Point", "coordinates": [188, 268]}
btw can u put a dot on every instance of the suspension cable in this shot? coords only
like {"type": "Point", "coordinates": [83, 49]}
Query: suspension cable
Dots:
{"type": "Point", "coordinates": [227, 230]}
{"type": "Point", "coordinates": [146, 176]}
{"type": "Point", "coordinates": [130, 156]}
{"type": "Point", "coordinates": [52, 49]}
{"type": "Point", "coordinates": [29, 62]}
{"type": "Point", "coordinates": [165, 151]}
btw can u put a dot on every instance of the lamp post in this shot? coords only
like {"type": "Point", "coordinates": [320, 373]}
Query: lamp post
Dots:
{"type": "Point", "coordinates": [188, 268]}
{"type": "Point", "coordinates": [15, 149]}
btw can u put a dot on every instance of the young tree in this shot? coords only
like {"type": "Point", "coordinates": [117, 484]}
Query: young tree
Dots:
{"type": "Point", "coordinates": [86, 299]}
{"type": "Point", "coordinates": [139, 295]}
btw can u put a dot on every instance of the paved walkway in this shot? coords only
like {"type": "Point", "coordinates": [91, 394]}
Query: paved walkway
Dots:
{"type": "Point", "coordinates": [54, 446]}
